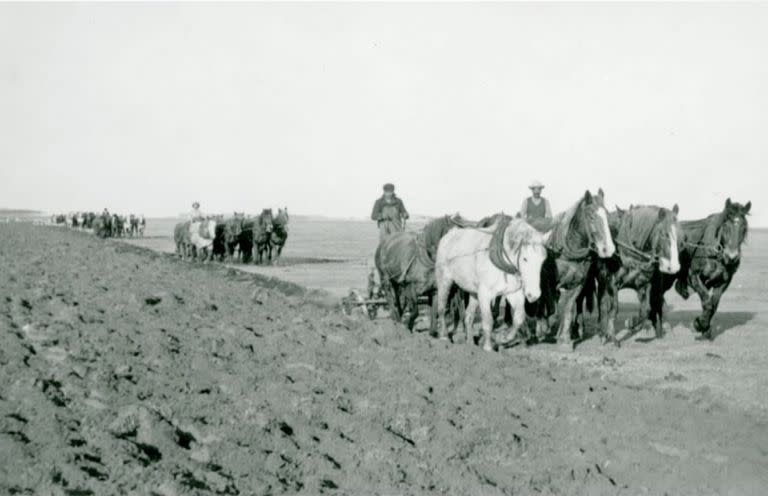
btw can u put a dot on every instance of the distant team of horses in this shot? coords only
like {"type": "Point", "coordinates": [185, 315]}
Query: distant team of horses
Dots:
{"type": "Point", "coordinates": [558, 268]}
{"type": "Point", "coordinates": [104, 225]}
{"type": "Point", "coordinates": [258, 239]}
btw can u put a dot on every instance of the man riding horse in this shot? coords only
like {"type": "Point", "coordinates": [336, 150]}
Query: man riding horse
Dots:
{"type": "Point", "coordinates": [535, 208]}
{"type": "Point", "coordinates": [196, 214]}
{"type": "Point", "coordinates": [389, 212]}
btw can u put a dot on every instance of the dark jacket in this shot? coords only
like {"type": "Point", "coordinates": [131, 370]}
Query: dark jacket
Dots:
{"type": "Point", "coordinates": [380, 203]}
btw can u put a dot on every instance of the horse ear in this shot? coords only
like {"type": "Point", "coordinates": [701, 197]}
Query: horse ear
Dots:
{"type": "Point", "coordinates": [728, 203]}
{"type": "Point", "coordinates": [600, 193]}
{"type": "Point", "coordinates": [675, 209]}
{"type": "Point", "coordinates": [619, 210]}
{"type": "Point", "coordinates": [587, 197]}
{"type": "Point", "coordinates": [747, 207]}
{"type": "Point", "coordinates": [662, 213]}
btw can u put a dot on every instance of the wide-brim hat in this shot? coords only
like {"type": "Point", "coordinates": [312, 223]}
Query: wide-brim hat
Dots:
{"type": "Point", "coordinates": [536, 184]}
{"type": "Point", "coordinates": [389, 187]}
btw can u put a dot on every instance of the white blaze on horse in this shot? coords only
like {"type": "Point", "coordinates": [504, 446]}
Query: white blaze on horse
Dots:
{"type": "Point", "coordinates": [201, 236]}
{"type": "Point", "coordinates": [503, 259]}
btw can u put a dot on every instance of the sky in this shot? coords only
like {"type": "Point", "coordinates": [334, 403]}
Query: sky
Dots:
{"type": "Point", "coordinates": [146, 108]}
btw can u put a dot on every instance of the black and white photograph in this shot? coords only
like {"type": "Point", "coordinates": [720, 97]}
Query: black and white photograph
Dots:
{"type": "Point", "coordinates": [383, 248]}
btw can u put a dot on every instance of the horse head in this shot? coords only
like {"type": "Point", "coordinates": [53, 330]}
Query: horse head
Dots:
{"type": "Point", "coordinates": [733, 229]}
{"type": "Point", "coordinates": [665, 239]}
{"type": "Point", "coordinates": [525, 247]}
{"type": "Point", "coordinates": [234, 227]}
{"type": "Point", "coordinates": [267, 220]}
{"type": "Point", "coordinates": [281, 220]}
{"type": "Point", "coordinates": [592, 218]}
{"type": "Point", "coordinates": [614, 220]}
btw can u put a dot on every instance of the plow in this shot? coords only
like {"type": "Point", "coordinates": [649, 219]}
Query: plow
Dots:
{"type": "Point", "coordinates": [369, 301]}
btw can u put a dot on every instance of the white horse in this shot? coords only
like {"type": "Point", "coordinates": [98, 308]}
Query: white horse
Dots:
{"type": "Point", "coordinates": [503, 259]}
{"type": "Point", "coordinates": [201, 235]}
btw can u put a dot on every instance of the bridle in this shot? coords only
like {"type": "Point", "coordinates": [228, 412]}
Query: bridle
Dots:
{"type": "Point", "coordinates": [713, 251]}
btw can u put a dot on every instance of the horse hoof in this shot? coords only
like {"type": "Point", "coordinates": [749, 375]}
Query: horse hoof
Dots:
{"type": "Point", "coordinates": [487, 347]}
{"type": "Point", "coordinates": [700, 327]}
{"type": "Point", "coordinates": [443, 338]}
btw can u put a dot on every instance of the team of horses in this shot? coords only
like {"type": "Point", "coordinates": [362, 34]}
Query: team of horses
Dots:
{"type": "Point", "coordinates": [104, 225]}
{"type": "Point", "coordinates": [258, 239]}
{"type": "Point", "coordinates": [550, 271]}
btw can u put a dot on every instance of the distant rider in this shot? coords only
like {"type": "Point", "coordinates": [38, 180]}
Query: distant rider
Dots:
{"type": "Point", "coordinates": [389, 212]}
{"type": "Point", "coordinates": [196, 214]}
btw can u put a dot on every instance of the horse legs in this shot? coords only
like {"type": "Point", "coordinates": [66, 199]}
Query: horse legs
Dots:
{"type": "Point", "coordinates": [516, 303]}
{"type": "Point", "coordinates": [564, 334]}
{"type": "Point", "coordinates": [486, 317]}
{"type": "Point", "coordinates": [432, 313]}
{"type": "Point", "coordinates": [458, 302]}
{"type": "Point", "coordinates": [443, 292]}
{"type": "Point", "coordinates": [393, 295]}
{"type": "Point", "coordinates": [605, 297]}
{"type": "Point", "coordinates": [279, 253]}
{"type": "Point", "coordinates": [710, 300]}
{"type": "Point", "coordinates": [412, 298]}
{"type": "Point", "coordinates": [469, 319]}
{"type": "Point", "coordinates": [644, 312]}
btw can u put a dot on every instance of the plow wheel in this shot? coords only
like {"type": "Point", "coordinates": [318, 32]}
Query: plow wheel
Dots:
{"type": "Point", "coordinates": [355, 300]}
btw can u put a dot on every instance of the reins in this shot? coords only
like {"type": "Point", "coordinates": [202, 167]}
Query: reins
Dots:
{"type": "Point", "coordinates": [635, 251]}
{"type": "Point", "coordinates": [629, 254]}
{"type": "Point", "coordinates": [715, 249]}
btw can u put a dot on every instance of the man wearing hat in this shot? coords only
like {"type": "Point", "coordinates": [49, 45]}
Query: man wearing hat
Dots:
{"type": "Point", "coordinates": [389, 212]}
{"type": "Point", "coordinates": [536, 207]}
{"type": "Point", "coordinates": [196, 214]}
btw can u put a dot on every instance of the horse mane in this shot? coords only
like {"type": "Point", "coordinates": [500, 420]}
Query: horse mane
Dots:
{"type": "Point", "coordinates": [433, 231]}
{"type": "Point", "coordinates": [638, 224]}
{"type": "Point", "coordinates": [703, 228]}
{"type": "Point", "coordinates": [521, 233]}
{"type": "Point", "coordinates": [561, 226]}
{"type": "Point", "coordinates": [706, 230]}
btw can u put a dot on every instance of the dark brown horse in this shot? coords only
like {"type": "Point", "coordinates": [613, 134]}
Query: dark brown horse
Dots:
{"type": "Point", "coordinates": [406, 265]}
{"type": "Point", "coordinates": [262, 234]}
{"type": "Point", "coordinates": [233, 230]}
{"type": "Point", "coordinates": [648, 241]}
{"type": "Point", "coordinates": [575, 237]}
{"type": "Point", "coordinates": [710, 256]}
{"type": "Point", "coordinates": [279, 233]}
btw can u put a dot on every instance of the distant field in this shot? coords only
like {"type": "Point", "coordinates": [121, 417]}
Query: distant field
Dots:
{"type": "Point", "coordinates": [334, 255]}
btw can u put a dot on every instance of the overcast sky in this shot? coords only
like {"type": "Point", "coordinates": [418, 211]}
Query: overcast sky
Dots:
{"type": "Point", "coordinates": [147, 107]}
